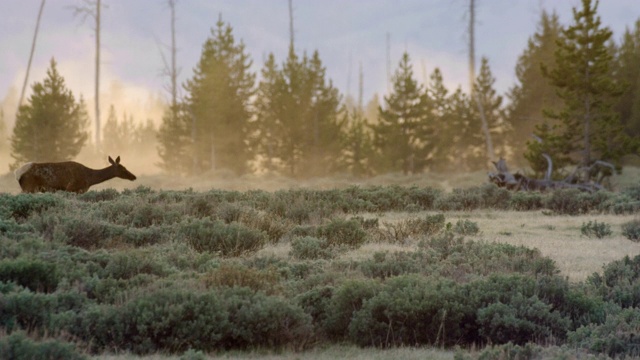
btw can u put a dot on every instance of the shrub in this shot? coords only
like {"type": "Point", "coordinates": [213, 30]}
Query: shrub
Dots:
{"type": "Point", "coordinates": [165, 320]}
{"type": "Point", "coordinates": [346, 301]}
{"type": "Point", "coordinates": [258, 320]}
{"type": "Point", "coordinates": [596, 229]}
{"type": "Point", "coordinates": [21, 206]}
{"type": "Point", "coordinates": [33, 274]}
{"type": "Point", "coordinates": [99, 195]}
{"type": "Point", "coordinates": [234, 274]}
{"type": "Point", "coordinates": [83, 232]}
{"type": "Point", "coordinates": [227, 239]}
{"type": "Point", "coordinates": [340, 232]}
{"type": "Point", "coordinates": [310, 248]}
{"type": "Point", "coordinates": [619, 282]}
{"type": "Point", "coordinates": [616, 337]}
{"type": "Point", "coordinates": [459, 199]}
{"type": "Point", "coordinates": [631, 230]}
{"type": "Point", "coordinates": [17, 346]}
{"type": "Point", "coordinates": [466, 227]}
{"type": "Point", "coordinates": [526, 201]}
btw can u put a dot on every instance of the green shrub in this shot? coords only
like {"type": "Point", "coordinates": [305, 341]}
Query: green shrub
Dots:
{"type": "Point", "coordinates": [340, 232]}
{"type": "Point", "coordinates": [165, 320]}
{"type": "Point", "coordinates": [257, 320]}
{"type": "Point", "coordinates": [620, 282]}
{"type": "Point", "coordinates": [616, 337]}
{"type": "Point", "coordinates": [346, 301]}
{"type": "Point", "coordinates": [596, 229]}
{"type": "Point", "coordinates": [631, 230]}
{"type": "Point", "coordinates": [466, 227]}
{"type": "Point", "coordinates": [575, 202]}
{"type": "Point", "coordinates": [84, 232]}
{"type": "Point", "coordinates": [99, 195]}
{"type": "Point", "coordinates": [310, 248]}
{"type": "Point", "coordinates": [17, 346]}
{"type": "Point", "coordinates": [234, 274]}
{"type": "Point", "coordinates": [526, 201]}
{"type": "Point", "coordinates": [520, 320]}
{"type": "Point", "coordinates": [232, 239]}
{"type": "Point", "coordinates": [33, 274]}
{"type": "Point", "coordinates": [193, 355]}
{"type": "Point", "coordinates": [459, 200]}
{"type": "Point", "coordinates": [21, 206]}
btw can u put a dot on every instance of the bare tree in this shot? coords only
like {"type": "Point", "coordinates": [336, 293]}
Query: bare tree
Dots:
{"type": "Point", "coordinates": [171, 70]}
{"type": "Point", "coordinates": [91, 8]}
{"type": "Point", "coordinates": [33, 48]}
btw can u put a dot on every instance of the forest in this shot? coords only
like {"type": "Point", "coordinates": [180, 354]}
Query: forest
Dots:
{"type": "Point", "coordinates": [290, 221]}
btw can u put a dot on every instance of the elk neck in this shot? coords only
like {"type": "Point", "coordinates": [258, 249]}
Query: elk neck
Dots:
{"type": "Point", "coordinates": [100, 175]}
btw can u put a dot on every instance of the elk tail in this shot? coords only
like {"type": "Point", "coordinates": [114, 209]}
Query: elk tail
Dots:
{"type": "Point", "coordinates": [21, 170]}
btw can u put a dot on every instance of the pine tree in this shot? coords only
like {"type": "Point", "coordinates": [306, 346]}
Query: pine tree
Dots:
{"type": "Point", "coordinates": [441, 115]}
{"type": "Point", "coordinates": [174, 141]}
{"type": "Point", "coordinates": [494, 113]}
{"type": "Point", "coordinates": [627, 72]}
{"type": "Point", "coordinates": [468, 152]}
{"type": "Point", "coordinates": [589, 129]}
{"type": "Point", "coordinates": [357, 145]}
{"type": "Point", "coordinates": [401, 134]}
{"type": "Point", "coordinates": [3, 132]}
{"type": "Point", "coordinates": [52, 125]}
{"type": "Point", "coordinates": [298, 128]}
{"type": "Point", "coordinates": [533, 92]}
{"type": "Point", "coordinates": [219, 98]}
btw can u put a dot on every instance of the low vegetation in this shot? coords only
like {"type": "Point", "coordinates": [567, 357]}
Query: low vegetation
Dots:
{"type": "Point", "coordinates": [191, 273]}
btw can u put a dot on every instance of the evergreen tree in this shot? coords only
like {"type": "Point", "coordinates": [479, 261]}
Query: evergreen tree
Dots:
{"type": "Point", "coordinates": [400, 136]}
{"type": "Point", "coordinates": [494, 113]}
{"type": "Point", "coordinates": [174, 141]}
{"type": "Point", "coordinates": [441, 115]}
{"type": "Point", "coordinates": [357, 145]}
{"type": "Point", "coordinates": [3, 131]}
{"type": "Point", "coordinates": [589, 129]}
{"type": "Point", "coordinates": [468, 152]}
{"type": "Point", "coordinates": [52, 125]}
{"type": "Point", "coordinates": [298, 128]}
{"type": "Point", "coordinates": [533, 92]}
{"type": "Point", "coordinates": [627, 72]}
{"type": "Point", "coordinates": [219, 100]}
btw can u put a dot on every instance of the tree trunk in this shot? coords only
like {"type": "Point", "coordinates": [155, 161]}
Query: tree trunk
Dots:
{"type": "Point", "coordinates": [98, 75]}
{"type": "Point", "coordinates": [33, 48]}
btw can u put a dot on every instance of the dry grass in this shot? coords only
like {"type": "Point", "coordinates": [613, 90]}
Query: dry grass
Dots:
{"type": "Point", "coordinates": [328, 353]}
{"type": "Point", "coordinates": [557, 237]}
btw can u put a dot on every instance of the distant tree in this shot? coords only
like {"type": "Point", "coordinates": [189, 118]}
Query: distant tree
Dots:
{"type": "Point", "coordinates": [626, 71]}
{"type": "Point", "coordinates": [3, 132]}
{"type": "Point", "coordinates": [589, 129]}
{"type": "Point", "coordinates": [298, 125]}
{"type": "Point", "coordinates": [401, 134]}
{"type": "Point", "coordinates": [494, 113]}
{"type": "Point", "coordinates": [441, 115]}
{"type": "Point", "coordinates": [533, 92]}
{"type": "Point", "coordinates": [467, 152]}
{"type": "Point", "coordinates": [52, 125]}
{"type": "Point", "coordinates": [218, 97]}
{"type": "Point", "coordinates": [175, 146]}
{"type": "Point", "coordinates": [357, 144]}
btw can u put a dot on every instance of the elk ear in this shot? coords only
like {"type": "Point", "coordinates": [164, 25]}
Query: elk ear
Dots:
{"type": "Point", "coordinates": [118, 160]}
{"type": "Point", "coordinates": [111, 161]}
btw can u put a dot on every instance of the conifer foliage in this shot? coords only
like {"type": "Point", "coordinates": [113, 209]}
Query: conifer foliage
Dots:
{"type": "Point", "coordinates": [587, 128]}
{"type": "Point", "coordinates": [52, 125]}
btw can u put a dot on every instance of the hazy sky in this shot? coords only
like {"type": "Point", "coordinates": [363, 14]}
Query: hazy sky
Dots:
{"type": "Point", "coordinates": [345, 32]}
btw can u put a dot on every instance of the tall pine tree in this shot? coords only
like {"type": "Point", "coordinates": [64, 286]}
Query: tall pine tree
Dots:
{"type": "Point", "coordinates": [627, 72]}
{"type": "Point", "coordinates": [218, 99]}
{"type": "Point", "coordinates": [298, 125]}
{"type": "Point", "coordinates": [52, 125]}
{"type": "Point", "coordinates": [533, 92]}
{"type": "Point", "coordinates": [401, 135]}
{"type": "Point", "coordinates": [589, 129]}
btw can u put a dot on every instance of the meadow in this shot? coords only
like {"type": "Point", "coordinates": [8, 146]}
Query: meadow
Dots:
{"type": "Point", "coordinates": [398, 267]}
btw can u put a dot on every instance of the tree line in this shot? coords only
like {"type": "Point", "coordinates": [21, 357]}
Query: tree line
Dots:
{"type": "Point", "coordinates": [577, 99]}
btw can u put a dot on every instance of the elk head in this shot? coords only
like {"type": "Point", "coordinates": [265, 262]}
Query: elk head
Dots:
{"type": "Point", "coordinates": [121, 171]}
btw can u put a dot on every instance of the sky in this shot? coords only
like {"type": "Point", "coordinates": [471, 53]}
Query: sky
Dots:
{"type": "Point", "coordinates": [347, 34]}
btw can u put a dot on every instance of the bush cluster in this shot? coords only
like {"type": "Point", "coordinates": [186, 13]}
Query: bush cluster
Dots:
{"type": "Point", "coordinates": [594, 228]}
{"type": "Point", "coordinates": [181, 272]}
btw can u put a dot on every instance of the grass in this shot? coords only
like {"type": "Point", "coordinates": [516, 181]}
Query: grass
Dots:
{"type": "Point", "coordinates": [327, 353]}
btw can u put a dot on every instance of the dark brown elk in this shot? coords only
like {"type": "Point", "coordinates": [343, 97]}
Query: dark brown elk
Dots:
{"type": "Point", "coordinates": [67, 176]}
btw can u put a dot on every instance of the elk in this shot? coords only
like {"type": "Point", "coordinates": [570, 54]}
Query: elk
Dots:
{"type": "Point", "coordinates": [67, 176]}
